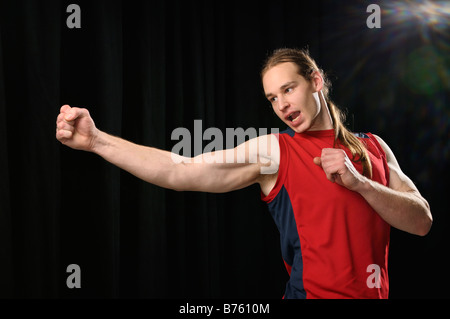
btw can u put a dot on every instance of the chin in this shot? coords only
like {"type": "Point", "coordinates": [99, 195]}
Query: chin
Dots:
{"type": "Point", "coordinates": [300, 128]}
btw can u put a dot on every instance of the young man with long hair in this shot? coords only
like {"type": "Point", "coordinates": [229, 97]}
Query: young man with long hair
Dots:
{"type": "Point", "coordinates": [333, 194]}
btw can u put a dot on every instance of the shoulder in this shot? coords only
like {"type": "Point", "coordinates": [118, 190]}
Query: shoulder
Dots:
{"type": "Point", "coordinates": [378, 142]}
{"type": "Point", "coordinates": [398, 180]}
{"type": "Point", "coordinates": [268, 157]}
{"type": "Point", "coordinates": [387, 150]}
{"type": "Point", "coordinates": [269, 147]}
{"type": "Point", "coordinates": [264, 150]}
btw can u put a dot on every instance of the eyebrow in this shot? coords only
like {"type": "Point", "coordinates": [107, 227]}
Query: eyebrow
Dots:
{"type": "Point", "coordinates": [285, 85]}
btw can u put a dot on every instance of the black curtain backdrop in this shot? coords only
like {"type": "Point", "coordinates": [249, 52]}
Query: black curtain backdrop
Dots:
{"type": "Point", "coordinates": [145, 68]}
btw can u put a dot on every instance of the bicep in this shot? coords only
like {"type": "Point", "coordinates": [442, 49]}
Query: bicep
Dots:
{"type": "Point", "coordinates": [220, 178]}
{"type": "Point", "coordinates": [231, 169]}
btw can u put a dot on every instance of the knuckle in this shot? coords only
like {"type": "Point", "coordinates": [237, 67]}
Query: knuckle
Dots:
{"type": "Point", "coordinates": [62, 125]}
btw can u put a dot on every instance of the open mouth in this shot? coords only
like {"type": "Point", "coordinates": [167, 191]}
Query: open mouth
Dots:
{"type": "Point", "coordinates": [293, 116]}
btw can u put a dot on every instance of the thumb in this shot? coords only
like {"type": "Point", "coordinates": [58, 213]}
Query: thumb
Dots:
{"type": "Point", "coordinates": [73, 114]}
{"type": "Point", "coordinates": [65, 108]}
{"type": "Point", "coordinates": [318, 161]}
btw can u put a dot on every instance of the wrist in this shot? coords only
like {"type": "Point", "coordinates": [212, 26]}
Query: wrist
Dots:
{"type": "Point", "coordinates": [97, 142]}
{"type": "Point", "coordinates": [363, 186]}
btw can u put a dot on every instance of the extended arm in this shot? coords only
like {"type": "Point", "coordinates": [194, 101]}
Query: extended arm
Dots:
{"type": "Point", "coordinates": [221, 171]}
{"type": "Point", "coordinates": [216, 172]}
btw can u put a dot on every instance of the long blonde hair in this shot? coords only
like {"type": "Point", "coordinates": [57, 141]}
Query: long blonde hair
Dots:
{"type": "Point", "coordinates": [306, 67]}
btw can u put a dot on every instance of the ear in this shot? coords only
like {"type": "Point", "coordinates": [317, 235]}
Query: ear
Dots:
{"type": "Point", "coordinates": [317, 81]}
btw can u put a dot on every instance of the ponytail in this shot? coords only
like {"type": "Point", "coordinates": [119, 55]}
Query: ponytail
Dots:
{"type": "Point", "coordinates": [343, 137]}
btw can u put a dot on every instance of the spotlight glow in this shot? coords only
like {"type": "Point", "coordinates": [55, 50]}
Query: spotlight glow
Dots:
{"type": "Point", "coordinates": [429, 15]}
{"type": "Point", "coordinates": [408, 60]}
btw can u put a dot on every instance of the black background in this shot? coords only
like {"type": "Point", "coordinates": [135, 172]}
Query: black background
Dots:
{"type": "Point", "coordinates": [144, 68]}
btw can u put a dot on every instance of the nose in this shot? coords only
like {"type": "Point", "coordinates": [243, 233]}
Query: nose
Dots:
{"type": "Point", "coordinates": [282, 103]}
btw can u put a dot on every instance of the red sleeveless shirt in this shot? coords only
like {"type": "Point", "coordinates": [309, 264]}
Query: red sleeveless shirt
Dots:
{"type": "Point", "coordinates": [334, 245]}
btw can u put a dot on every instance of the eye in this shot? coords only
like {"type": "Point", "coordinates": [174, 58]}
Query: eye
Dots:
{"type": "Point", "coordinates": [288, 90]}
{"type": "Point", "coordinates": [273, 99]}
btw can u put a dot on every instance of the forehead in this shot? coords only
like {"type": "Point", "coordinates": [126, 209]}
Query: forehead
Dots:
{"type": "Point", "coordinates": [279, 74]}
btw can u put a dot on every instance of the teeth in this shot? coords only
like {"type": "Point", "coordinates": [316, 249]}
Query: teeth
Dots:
{"type": "Point", "coordinates": [291, 119]}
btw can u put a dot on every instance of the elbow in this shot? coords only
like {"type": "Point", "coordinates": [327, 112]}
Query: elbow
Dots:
{"type": "Point", "coordinates": [425, 225]}
{"type": "Point", "coordinates": [175, 183]}
{"type": "Point", "coordinates": [177, 179]}
{"type": "Point", "coordinates": [424, 230]}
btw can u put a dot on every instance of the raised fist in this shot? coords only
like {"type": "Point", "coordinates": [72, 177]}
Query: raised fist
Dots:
{"type": "Point", "coordinates": [75, 128]}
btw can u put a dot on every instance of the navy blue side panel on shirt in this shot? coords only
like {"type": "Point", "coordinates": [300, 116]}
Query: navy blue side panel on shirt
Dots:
{"type": "Point", "coordinates": [288, 131]}
{"type": "Point", "coordinates": [282, 213]}
{"type": "Point", "coordinates": [361, 135]}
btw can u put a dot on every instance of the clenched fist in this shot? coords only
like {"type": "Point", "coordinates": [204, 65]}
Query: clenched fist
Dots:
{"type": "Point", "coordinates": [339, 168]}
{"type": "Point", "coordinates": [75, 128]}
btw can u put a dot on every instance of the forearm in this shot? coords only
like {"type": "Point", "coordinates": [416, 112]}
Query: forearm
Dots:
{"type": "Point", "coordinates": [149, 164]}
{"type": "Point", "coordinates": [210, 172]}
{"type": "Point", "coordinates": [405, 210]}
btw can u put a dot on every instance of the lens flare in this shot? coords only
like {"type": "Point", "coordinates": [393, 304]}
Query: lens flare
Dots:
{"type": "Point", "coordinates": [401, 72]}
{"type": "Point", "coordinates": [426, 14]}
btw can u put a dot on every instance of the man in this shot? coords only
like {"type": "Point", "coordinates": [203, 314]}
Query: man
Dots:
{"type": "Point", "coordinates": [333, 194]}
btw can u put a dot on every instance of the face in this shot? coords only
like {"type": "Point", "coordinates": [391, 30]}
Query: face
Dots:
{"type": "Point", "coordinates": [291, 96]}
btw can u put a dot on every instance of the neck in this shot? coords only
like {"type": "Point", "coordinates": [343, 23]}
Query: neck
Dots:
{"type": "Point", "coordinates": [323, 121]}
{"type": "Point", "coordinates": [326, 112]}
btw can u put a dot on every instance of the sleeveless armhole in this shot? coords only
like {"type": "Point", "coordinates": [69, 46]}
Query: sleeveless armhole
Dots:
{"type": "Point", "coordinates": [281, 170]}
{"type": "Point", "coordinates": [381, 154]}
